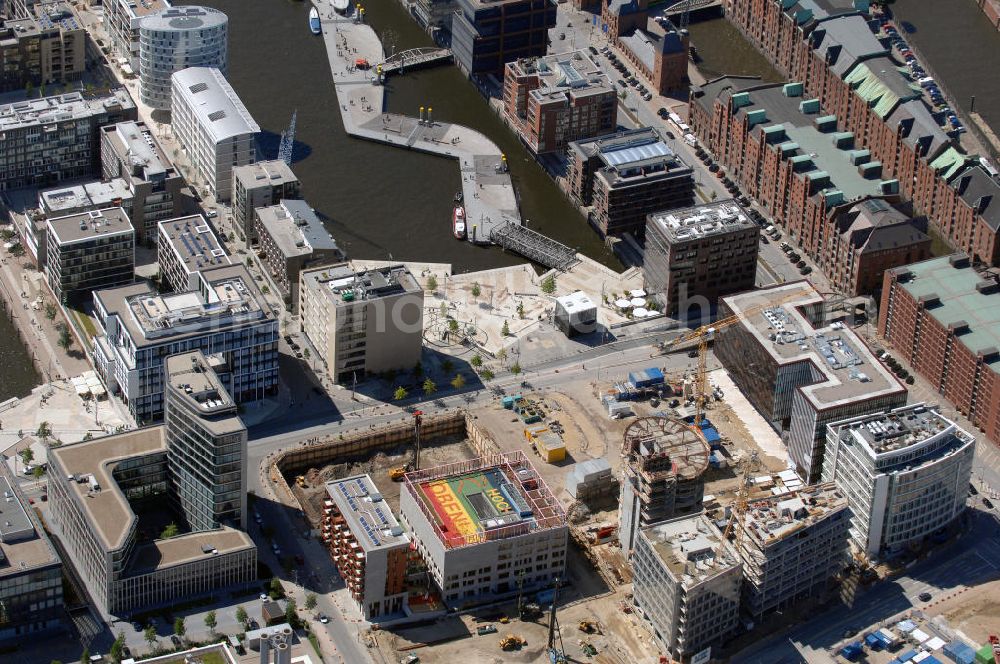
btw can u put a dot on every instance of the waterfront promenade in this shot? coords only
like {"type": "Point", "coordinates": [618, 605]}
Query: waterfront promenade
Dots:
{"type": "Point", "coordinates": [486, 186]}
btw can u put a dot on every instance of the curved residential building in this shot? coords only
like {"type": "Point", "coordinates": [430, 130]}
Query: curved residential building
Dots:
{"type": "Point", "coordinates": [177, 38]}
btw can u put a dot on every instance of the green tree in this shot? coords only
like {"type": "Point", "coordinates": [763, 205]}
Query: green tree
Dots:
{"type": "Point", "coordinates": [306, 353]}
{"type": "Point", "coordinates": [291, 613]}
{"type": "Point", "coordinates": [520, 310]}
{"type": "Point", "coordinates": [65, 340]}
{"type": "Point", "coordinates": [50, 311]}
{"type": "Point", "coordinates": [486, 374]}
{"type": "Point", "coordinates": [476, 361]}
{"type": "Point", "coordinates": [476, 289]}
{"type": "Point", "coordinates": [432, 283]}
{"type": "Point", "coordinates": [505, 330]}
{"type": "Point", "coordinates": [242, 617]}
{"type": "Point", "coordinates": [502, 355]}
{"type": "Point", "coordinates": [549, 285]}
{"type": "Point", "coordinates": [27, 455]}
{"type": "Point", "coordinates": [170, 531]}
{"type": "Point", "coordinates": [515, 368]}
{"type": "Point", "coordinates": [429, 387]}
{"type": "Point", "coordinates": [210, 621]}
{"type": "Point", "coordinates": [277, 590]}
{"type": "Point", "coordinates": [117, 648]}
{"type": "Point", "coordinates": [400, 393]}
{"type": "Point", "coordinates": [88, 436]}
{"type": "Point", "coordinates": [444, 310]}
{"type": "Point", "coordinates": [311, 599]}
{"type": "Point", "coordinates": [150, 635]}
{"type": "Point", "coordinates": [264, 289]}
{"type": "Point", "coordinates": [458, 382]}
{"type": "Point", "coordinates": [452, 325]}
{"type": "Point", "coordinates": [180, 629]}
{"type": "Point", "coordinates": [44, 431]}
{"type": "Point", "coordinates": [38, 472]}
{"type": "Point", "coordinates": [85, 657]}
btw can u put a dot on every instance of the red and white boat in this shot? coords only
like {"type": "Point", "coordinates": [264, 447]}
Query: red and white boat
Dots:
{"type": "Point", "coordinates": [458, 222]}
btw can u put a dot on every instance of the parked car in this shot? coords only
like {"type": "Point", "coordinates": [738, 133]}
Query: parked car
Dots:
{"type": "Point", "coordinates": [671, 136]}
{"type": "Point", "coordinates": [662, 112]}
{"type": "Point", "coordinates": [714, 168]}
{"type": "Point", "coordinates": [924, 597]}
{"type": "Point", "coordinates": [323, 618]}
{"type": "Point", "coordinates": [806, 270]}
{"type": "Point", "coordinates": [801, 264]}
{"type": "Point", "coordinates": [592, 50]}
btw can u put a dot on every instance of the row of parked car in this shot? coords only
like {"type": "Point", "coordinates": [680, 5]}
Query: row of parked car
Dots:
{"type": "Point", "coordinates": [917, 74]}
{"type": "Point", "coordinates": [628, 77]}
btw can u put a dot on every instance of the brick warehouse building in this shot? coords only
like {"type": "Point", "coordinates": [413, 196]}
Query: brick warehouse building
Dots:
{"type": "Point", "coordinates": [831, 46]}
{"type": "Point", "coordinates": [784, 151]}
{"type": "Point", "coordinates": [556, 99]}
{"type": "Point", "coordinates": [943, 317]}
{"type": "Point", "coordinates": [657, 49]}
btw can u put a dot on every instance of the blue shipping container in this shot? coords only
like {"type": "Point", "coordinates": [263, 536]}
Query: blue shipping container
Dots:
{"type": "Point", "coordinates": [960, 652]}
{"type": "Point", "coordinates": [655, 376]}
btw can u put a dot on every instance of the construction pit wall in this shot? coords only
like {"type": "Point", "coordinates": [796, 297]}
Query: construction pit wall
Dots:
{"type": "Point", "coordinates": [366, 443]}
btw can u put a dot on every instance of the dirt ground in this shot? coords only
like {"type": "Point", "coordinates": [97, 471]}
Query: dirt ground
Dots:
{"type": "Point", "coordinates": [975, 612]}
{"type": "Point", "coordinates": [377, 466]}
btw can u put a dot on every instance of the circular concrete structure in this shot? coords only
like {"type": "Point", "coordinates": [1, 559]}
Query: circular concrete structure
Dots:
{"type": "Point", "coordinates": [176, 38]}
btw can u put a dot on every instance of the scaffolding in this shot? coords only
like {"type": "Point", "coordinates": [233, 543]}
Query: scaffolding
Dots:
{"type": "Point", "coordinates": [534, 246]}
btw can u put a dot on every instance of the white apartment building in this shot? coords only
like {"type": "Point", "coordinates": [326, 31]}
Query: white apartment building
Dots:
{"type": "Point", "coordinates": [213, 126]}
{"type": "Point", "coordinates": [905, 473]}
{"type": "Point", "coordinates": [479, 524]}
{"type": "Point", "coordinates": [121, 20]}
{"type": "Point", "coordinates": [174, 39]}
{"type": "Point", "coordinates": [226, 316]}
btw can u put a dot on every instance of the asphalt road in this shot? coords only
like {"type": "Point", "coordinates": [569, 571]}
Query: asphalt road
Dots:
{"type": "Point", "coordinates": [970, 559]}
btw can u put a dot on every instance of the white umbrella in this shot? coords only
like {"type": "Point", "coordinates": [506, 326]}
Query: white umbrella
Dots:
{"type": "Point", "coordinates": [623, 303]}
{"type": "Point", "coordinates": [638, 292]}
{"type": "Point", "coordinates": [640, 312]}
{"type": "Point", "coordinates": [638, 302]}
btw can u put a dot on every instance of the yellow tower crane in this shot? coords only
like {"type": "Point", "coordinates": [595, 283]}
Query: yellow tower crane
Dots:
{"type": "Point", "coordinates": [705, 334]}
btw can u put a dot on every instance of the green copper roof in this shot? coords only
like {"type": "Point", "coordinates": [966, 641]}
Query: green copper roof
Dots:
{"type": "Point", "coordinates": [948, 163]}
{"type": "Point", "coordinates": [873, 89]}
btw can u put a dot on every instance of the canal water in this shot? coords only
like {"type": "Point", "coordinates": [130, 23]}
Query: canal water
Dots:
{"type": "Point", "coordinates": [381, 201]}
{"type": "Point", "coordinates": [958, 45]}
{"type": "Point", "coordinates": [723, 50]}
{"type": "Point", "coordinates": [18, 375]}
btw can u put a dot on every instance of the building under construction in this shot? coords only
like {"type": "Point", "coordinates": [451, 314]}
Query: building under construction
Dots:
{"type": "Point", "coordinates": [686, 580]}
{"type": "Point", "coordinates": [663, 463]}
{"type": "Point", "coordinates": [791, 545]}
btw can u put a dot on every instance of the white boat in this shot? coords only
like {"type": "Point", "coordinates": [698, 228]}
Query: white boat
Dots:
{"type": "Point", "coordinates": [314, 24]}
{"type": "Point", "coordinates": [341, 5]}
{"type": "Point", "coordinates": [458, 222]}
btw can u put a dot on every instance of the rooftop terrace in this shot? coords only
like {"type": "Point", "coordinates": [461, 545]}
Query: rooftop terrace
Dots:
{"type": "Point", "coordinates": [193, 243]}
{"type": "Point", "coordinates": [193, 380]}
{"type": "Point", "coordinates": [95, 194]}
{"type": "Point", "coordinates": [345, 286]}
{"type": "Point", "coordinates": [295, 228]}
{"type": "Point", "coordinates": [563, 75]}
{"type": "Point", "coordinates": [903, 434]}
{"type": "Point", "coordinates": [490, 498]}
{"type": "Point", "coordinates": [133, 143]}
{"type": "Point", "coordinates": [89, 225]}
{"type": "Point", "coordinates": [59, 108]}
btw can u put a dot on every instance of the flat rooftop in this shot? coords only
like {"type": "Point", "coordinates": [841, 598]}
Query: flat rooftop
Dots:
{"type": "Point", "coordinates": [106, 507]}
{"type": "Point", "coordinates": [702, 221]}
{"type": "Point", "coordinates": [631, 155]}
{"type": "Point", "coordinates": [60, 108]}
{"type": "Point", "coordinates": [690, 549]}
{"type": "Point", "coordinates": [773, 519]}
{"type": "Point", "coordinates": [186, 548]}
{"type": "Point", "coordinates": [213, 101]}
{"type": "Point", "coordinates": [134, 144]}
{"type": "Point", "coordinates": [564, 76]}
{"type": "Point", "coordinates": [23, 545]}
{"type": "Point", "coordinates": [264, 173]}
{"type": "Point", "coordinates": [908, 435]}
{"type": "Point", "coordinates": [844, 368]}
{"type": "Point", "coordinates": [228, 297]}
{"type": "Point", "coordinates": [188, 17]}
{"type": "Point", "coordinates": [367, 514]}
{"type": "Point", "coordinates": [193, 243]}
{"type": "Point", "coordinates": [296, 229]}
{"type": "Point", "coordinates": [86, 226]}
{"type": "Point", "coordinates": [192, 379]}
{"type": "Point", "coordinates": [95, 194]}
{"type": "Point", "coordinates": [489, 498]}
{"type": "Point", "coordinates": [345, 286]}
{"type": "Point", "coordinates": [957, 296]}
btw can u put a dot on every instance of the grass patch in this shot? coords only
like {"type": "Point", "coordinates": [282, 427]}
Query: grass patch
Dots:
{"type": "Point", "coordinates": [315, 644]}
